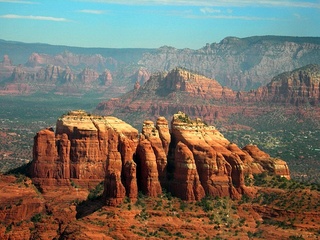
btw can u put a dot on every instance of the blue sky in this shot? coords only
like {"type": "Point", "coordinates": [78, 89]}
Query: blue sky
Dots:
{"type": "Point", "coordinates": [153, 23]}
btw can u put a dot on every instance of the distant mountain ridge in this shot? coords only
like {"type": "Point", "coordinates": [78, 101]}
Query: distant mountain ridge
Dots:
{"type": "Point", "coordinates": [236, 63]}
{"type": "Point", "coordinates": [19, 52]}
{"type": "Point", "coordinates": [239, 63]}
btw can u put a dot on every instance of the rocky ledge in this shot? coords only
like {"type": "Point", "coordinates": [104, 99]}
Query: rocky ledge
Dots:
{"type": "Point", "coordinates": [191, 159]}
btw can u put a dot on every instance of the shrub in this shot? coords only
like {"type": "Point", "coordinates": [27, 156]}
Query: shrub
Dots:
{"type": "Point", "coordinates": [8, 228]}
{"type": "Point", "coordinates": [206, 203]}
{"type": "Point", "coordinates": [36, 218]}
{"type": "Point", "coordinates": [296, 237]}
{"type": "Point", "coordinates": [96, 192]}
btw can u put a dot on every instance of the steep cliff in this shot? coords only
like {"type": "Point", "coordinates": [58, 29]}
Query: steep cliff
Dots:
{"type": "Point", "coordinates": [191, 160]}
{"type": "Point", "coordinates": [84, 150]}
{"type": "Point", "coordinates": [239, 63]}
{"type": "Point", "coordinates": [297, 87]}
{"type": "Point", "coordinates": [181, 90]}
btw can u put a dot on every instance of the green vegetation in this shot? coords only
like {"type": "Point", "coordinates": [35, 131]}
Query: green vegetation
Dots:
{"type": "Point", "coordinates": [73, 184]}
{"type": "Point", "coordinates": [257, 234]}
{"type": "Point", "coordinates": [96, 192]}
{"type": "Point", "coordinates": [288, 195]}
{"type": "Point", "coordinates": [141, 200]}
{"type": "Point", "coordinates": [281, 224]}
{"type": "Point", "coordinates": [294, 138]}
{"type": "Point", "coordinates": [296, 237]}
{"type": "Point", "coordinates": [265, 180]}
{"type": "Point", "coordinates": [8, 228]}
{"type": "Point", "coordinates": [36, 218]}
{"type": "Point", "coordinates": [184, 118]}
{"type": "Point", "coordinates": [21, 117]}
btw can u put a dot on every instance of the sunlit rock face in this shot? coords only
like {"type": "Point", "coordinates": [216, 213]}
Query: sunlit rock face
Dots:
{"type": "Point", "coordinates": [190, 160]}
{"type": "Point", "coordinates": [148, 171]}
{"type": "Point", "coordinates": [186, 183]}
{"type": "Point", "coordinates": [166, 93]}
{"type": "Point", "coordinates": [83, 149]}
{"type": "Point", "coordinates": [264, 162]}
{"type": "Point", "coordinates": [215, 172]}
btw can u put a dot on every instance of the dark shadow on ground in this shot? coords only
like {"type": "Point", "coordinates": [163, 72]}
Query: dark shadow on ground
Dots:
{"type": "Point", "coordinates": [88, 207]}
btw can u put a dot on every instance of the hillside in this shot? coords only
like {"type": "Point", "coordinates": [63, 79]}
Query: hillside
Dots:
{"type": "Point", "coordinates": [199, 96]}
{"type": "Point", "coordinates": [301, 86]}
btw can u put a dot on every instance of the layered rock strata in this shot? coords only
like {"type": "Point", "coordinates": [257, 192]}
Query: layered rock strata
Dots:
{"type": "Point", "coordinates": [164, 94]}
{"type": "Point", "coordinates": [191, 160]}
{"type": "Point", "coordinates": [84, 151]}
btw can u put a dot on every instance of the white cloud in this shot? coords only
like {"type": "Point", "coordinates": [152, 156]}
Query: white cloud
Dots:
{"type": "Point", "coordinates": [20, 2]}
{"type": "Point", "coordinates": [90, 11]}
{"type": "Point", "coordinates": [297, 15]}
{"type": "Point", "coordinates": [208, 10]}
{"type": "Point", "coordinates": [31, 17]}
{"type": "Point", "coordinates": [247, 18]}
{"type": "Point", "coordinates": [216, 3]}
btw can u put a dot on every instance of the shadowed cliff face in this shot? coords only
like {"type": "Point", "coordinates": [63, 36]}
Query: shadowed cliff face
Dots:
{"type": "Point", "coordinates": [192, 160]}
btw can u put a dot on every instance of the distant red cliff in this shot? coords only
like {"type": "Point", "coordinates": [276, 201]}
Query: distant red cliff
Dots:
{"type": "Point", "coordinates": [181, 90]}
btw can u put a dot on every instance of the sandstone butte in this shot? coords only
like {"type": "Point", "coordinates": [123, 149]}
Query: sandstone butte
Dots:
{"type": "Point", "coordinates": [190, 159]}
{"type": "Point", "coordinates": [166, 93]}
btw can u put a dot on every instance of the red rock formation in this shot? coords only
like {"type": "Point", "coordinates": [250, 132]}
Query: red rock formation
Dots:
{"type": "Point", "coordinates": [298, 87]}
{"type": "Point", "coordinates": [164, 133]}
{"type": "Point", "coordinates": [16, 89]}
{"type": "Point", "coordinates": [150, 132]}
{"type": "Point", "coordinates": [187, 185]}
{"type": "Point", "coordinates": [114, 191]}
{"type": "Point", "coordinates": [264, 162]}
{"type": "Point", "coordinates": [88, 149]}
{"type": "Point", "coordinates": [6, 68]}
{"type": "Point", "coordinates": [68, 75]}
{"type": "Point", "coordinates": [141, 76]}
{"type": "Point", "coordinates": [19, 74]}
{"type": "Point", "coordinates": [43, 74]}
{"type": "Point", "coordinates": [106, 78]}
{"type": "Point", "coordinates": [130, 180]}
{"type": "Point", "coordinates": [148, 171]}
{"type": "Point", "coordinates": [85, 150]}
{"type": "Point", "coordinates": [50, 74]}
{"type": "Point", "coordinates": [136, 86]}
{"type": "Point", "coordinates": [164, 94]}
{"type": "Point", "coordinates": [36, 59]}
{"type": "Point", "coordinates": [6, 62]}
{"type": "Point", "coordinates": [196, 85]}
{"type": "Point", "coordinates": [88, 76]}
{"type": "Point", "coordinates": [214, 171]}
{"type": "Point", "coordinates": [44, 154]}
